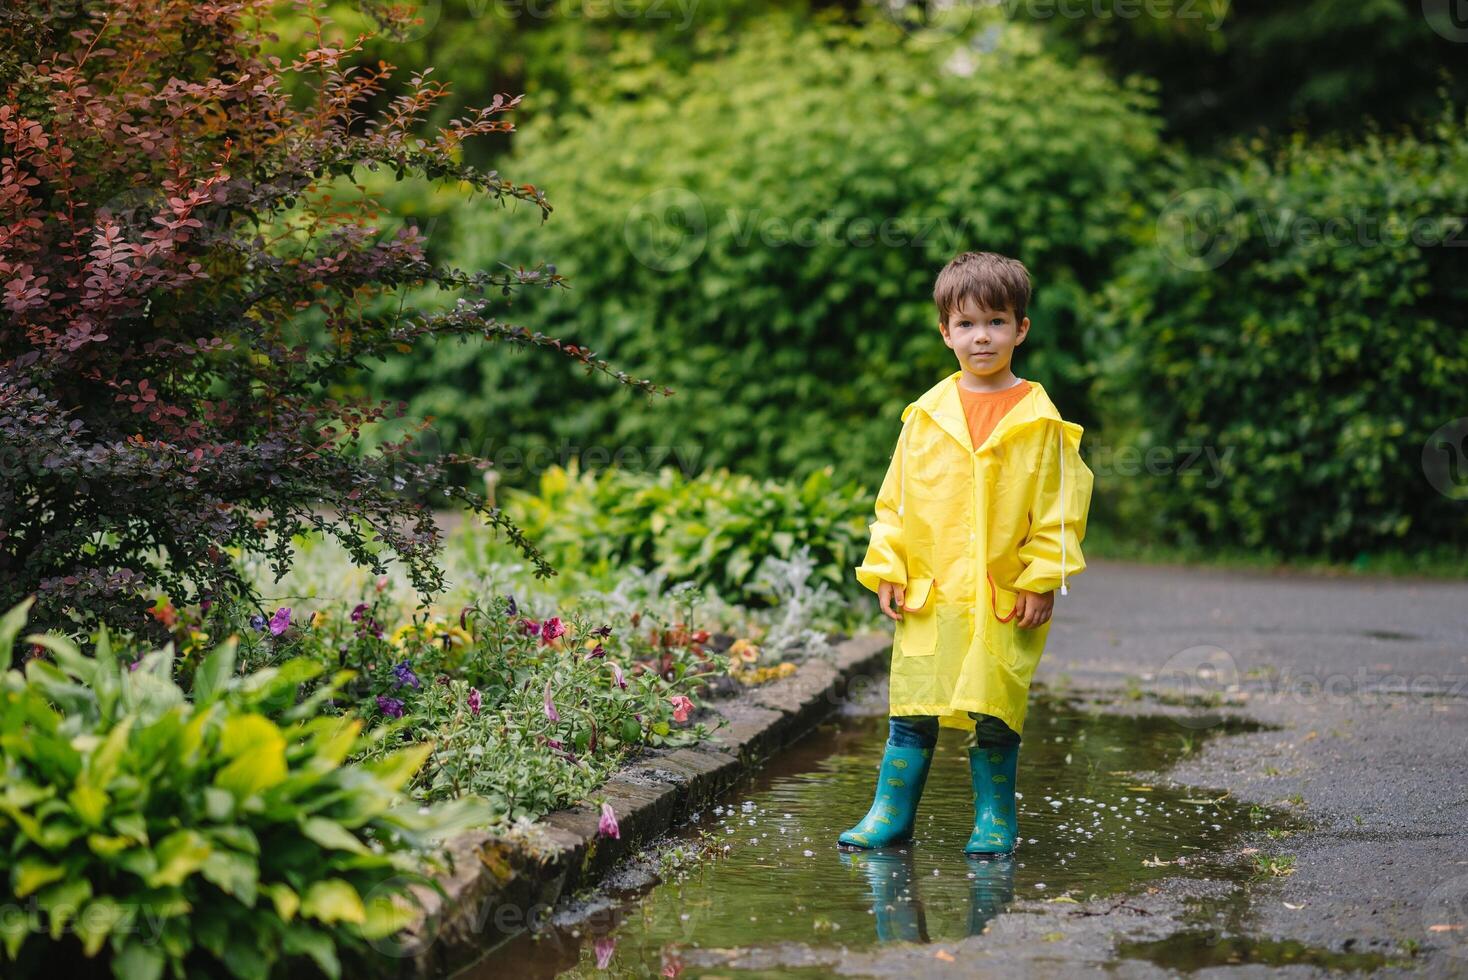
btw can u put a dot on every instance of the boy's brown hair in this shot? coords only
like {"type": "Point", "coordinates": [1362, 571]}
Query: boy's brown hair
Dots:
{"type": "Point", "coordinates": [993, 281]}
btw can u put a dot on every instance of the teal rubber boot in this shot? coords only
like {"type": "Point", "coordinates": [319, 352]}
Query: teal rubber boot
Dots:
{"type": "Point", "coordinates": [893, 813]}
{"type": "Point", "coordinates": [995, 817]}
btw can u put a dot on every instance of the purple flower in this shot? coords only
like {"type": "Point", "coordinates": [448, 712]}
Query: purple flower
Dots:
{"type": "Point", "coordinates": [257, 623]}
{"type": "Point", "coordinates": [464, 618]}
{"type": "Point", "coordinates": [403, 674]}
{"type": "Point", "coordinates": [617, 674]}
{"type": "Point", "coordinates": [281, 621]}
{"type": "Point", "coordinates": [608, 823]}
{"type": "Point", "coordinates": [391, 707]}
{"type": "Point", "coordinates": [358, 611]}
{"type": "Point", "coordinates": [605, 947]}
{"type": "Point", "coordinates": [529, 627]}
{"type": "Point", "coordinates": [476, 700]}
{"type": "Point", "coordinates": [550, 706]}
{"type": "Point", "coordinates": [134, 665]}
{"type": "Point", "coordinates": [597, 651]}
{"type": "Point", "coordinates": [511, 609]}
{"type": "Point", "coordinates": [602, 631]}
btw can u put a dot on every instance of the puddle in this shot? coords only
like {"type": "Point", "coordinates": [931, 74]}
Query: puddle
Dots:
{"type": "Point", "coordinates": [1201, 949]}
{"type": "Point", "coordinates": [1088, 826]}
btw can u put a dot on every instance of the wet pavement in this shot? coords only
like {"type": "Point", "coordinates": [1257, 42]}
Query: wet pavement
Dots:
{"type": "Point", "coordinates": [1223, 774]}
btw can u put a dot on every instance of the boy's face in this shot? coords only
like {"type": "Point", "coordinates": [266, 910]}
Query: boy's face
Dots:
{"type": "Point", "coordinates": [983, 340]}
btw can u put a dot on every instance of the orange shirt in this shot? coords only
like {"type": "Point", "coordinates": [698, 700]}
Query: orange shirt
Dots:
{"type": "Point", "coordinates": [984, 409]}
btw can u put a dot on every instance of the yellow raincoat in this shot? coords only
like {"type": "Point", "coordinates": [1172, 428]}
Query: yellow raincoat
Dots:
{"type": "Point", "coordinates": [962, 529]}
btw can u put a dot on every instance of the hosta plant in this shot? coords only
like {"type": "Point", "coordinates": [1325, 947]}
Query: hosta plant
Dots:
{"type": "Point", "coordinates": [224, 835]}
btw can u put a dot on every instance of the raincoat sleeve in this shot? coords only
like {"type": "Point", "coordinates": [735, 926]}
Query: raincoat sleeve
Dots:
{"type": "Point", "coordinates": [886, 558]}
{"type": "Point", "coordinates": [1058, 511]}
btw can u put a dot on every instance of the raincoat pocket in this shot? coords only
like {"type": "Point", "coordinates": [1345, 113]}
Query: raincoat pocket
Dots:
{"type": "Point", "coordinates": [917, 631]}
{"type": "Point", "coordinates": [1006, 641]}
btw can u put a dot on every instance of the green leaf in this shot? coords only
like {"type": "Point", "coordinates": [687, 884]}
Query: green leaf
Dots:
{"type": "Point", "coordinates": [67, 656]}
{"type": "Point", "coordinates": [31, 873]}
{"type": "Point", "coordinates": [89, 803]}
{"type": "Point", "coordinates": [96, 922]}
{"type": "Point", "coordinates": [179, 855]}
{"type": "Point", "coordinates": [333, 900]}
{"type": "Point", "coordinates": [235, 873]}
{"type": "Point", "coordinates": [138, 961]}
{"type": "Point", "coordinates": [302, 938]}
{"type": "Point", "coordinates": [330, 834]}
{"type": "Point", "coordinates": [63, 900]}
{"type": "Point", "coordinates": [286, 901]}
{"type": "Point", "coordinates": [13, 622]}
{"type": "Point", "coordinates": [399, 767]}
{"type": "Point", "coordinates": [213, 675]}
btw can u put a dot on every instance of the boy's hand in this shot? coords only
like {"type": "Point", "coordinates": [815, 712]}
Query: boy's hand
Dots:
{"type": "Point", "coordinates": [886, 592]}
{"type": "Point", "coordinates": [1032, 609]}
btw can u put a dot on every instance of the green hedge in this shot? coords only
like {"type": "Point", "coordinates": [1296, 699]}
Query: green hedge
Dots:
{"type": "Point", "coordinates": [787, 358]}
{"type": "Point", "coordinates": [1298, 311]}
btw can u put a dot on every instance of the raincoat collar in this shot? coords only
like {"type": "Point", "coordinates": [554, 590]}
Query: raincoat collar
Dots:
{"type": "Point", "coordinates": [941, 402]}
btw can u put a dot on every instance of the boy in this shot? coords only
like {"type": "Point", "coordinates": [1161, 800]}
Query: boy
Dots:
{"type": "Point", "coordinates": [979, 518]}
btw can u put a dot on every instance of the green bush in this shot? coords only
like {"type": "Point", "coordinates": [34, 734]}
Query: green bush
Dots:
{"type": "Point", "coordinates": [788, 357]}
{"type": "Point", "coordinates": [1298, 312]}
{"type": "Point", "coordinates": [715, 530]}
{"type": "Point", "coordinates": [218, 836]}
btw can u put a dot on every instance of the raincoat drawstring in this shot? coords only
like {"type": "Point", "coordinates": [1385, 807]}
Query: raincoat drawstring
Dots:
{"type": "Point", "coordinates": [1063, 590]}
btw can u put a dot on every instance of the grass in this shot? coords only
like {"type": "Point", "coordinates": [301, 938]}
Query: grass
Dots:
{"type": "Point", "coordinates": [1115, 543]}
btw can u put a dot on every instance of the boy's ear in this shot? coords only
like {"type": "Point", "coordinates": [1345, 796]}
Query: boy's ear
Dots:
{"type": "Point", "coordinates": [1022, 332]}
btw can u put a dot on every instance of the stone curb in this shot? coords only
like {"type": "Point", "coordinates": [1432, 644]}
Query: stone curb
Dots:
{"type": "Point", "coordinates": [498, 884]}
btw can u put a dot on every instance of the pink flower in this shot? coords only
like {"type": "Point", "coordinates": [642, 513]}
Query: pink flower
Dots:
{"type": "Point", "coordinates": [551, 629]}
{"type": "Point", "coordinates": [608, 823]}
{"type": "Point", "coordinates": [476, 701]}
{"type": "Point", "coordinates": [281, 621]}
{"type": "Point", "coordinates": [681, 706]}
{"type": "Point", "coordinates": [381, 583]}
{"type": "Point", "coordinates": [529, 627]}
{"type": "Point", "coordinates": [550, 706]}
{"type": "Point", "coordinates": [605, 947]}
{"type": "Point", "coordinates": [617, 674]}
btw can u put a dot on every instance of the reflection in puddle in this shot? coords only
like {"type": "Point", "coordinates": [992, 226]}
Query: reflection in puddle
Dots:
{"type": "Point", "coordinates": [1087, 826]}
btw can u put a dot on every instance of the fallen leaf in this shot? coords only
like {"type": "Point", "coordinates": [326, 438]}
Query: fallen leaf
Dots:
{"type": "Point", "coordinates": [945, 956]}
{"type": "Point", "coordinates": [1444, 927]}
{"type": "Point", "coordinates": [1289, 905]}
{"type": "Point", "coordinates": [1250, 850]}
